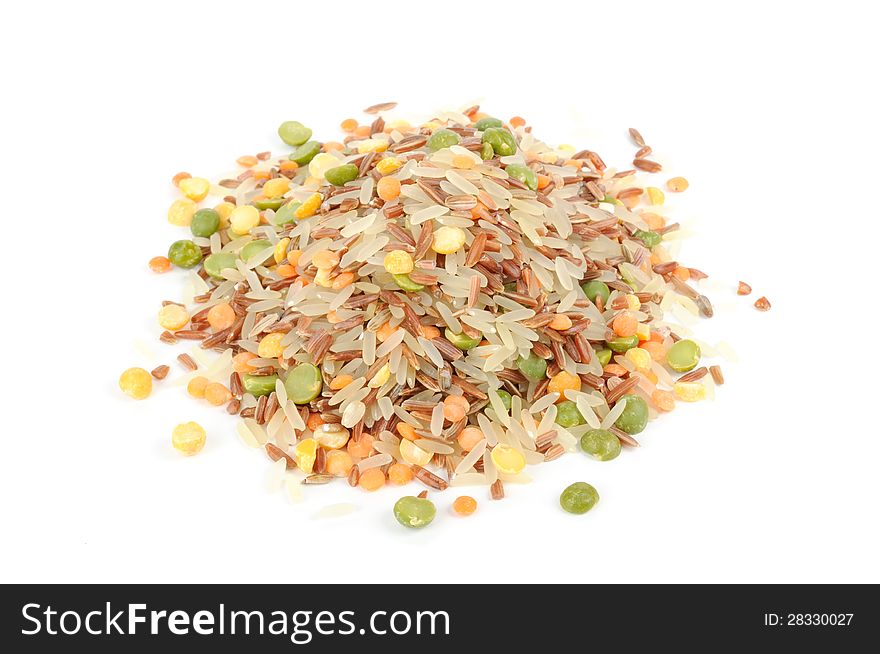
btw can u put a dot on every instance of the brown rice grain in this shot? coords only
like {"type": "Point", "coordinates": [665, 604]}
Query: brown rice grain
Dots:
{"type": "Point", "coordinates": [187, 362]}
{"type": "Point", "coordinates": [160, 372]}
{"type": "Point", "coordinates": [275, 453]}
{"type": "Point", "coordinates": [381, 106]}
{"type": "Point", "coordinates": [647, 165]}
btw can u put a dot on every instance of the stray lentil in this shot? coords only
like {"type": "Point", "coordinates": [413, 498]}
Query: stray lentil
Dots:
{"type": "Point", "coordinates": [136, 383]}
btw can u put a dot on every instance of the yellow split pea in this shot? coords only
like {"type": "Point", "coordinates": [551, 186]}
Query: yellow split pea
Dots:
{"type": "Point", "coordinates": [277, 187]}
{"type": "Point", "coordinates": [188, 438]}
{"type": "Point", "coordinates": [195, 188]}
{"type": "Point", "coordinates": [243, 219]}
{"type": "Point", "coordinates": [321, 164]}
{"type": "Point", "coordinates": [507, 459]}
{"type": "Point", "coordinates": [270, 346]}
{"type": "Point", "coordinates": [308, 208]}
{"type": "Point", "coordinates": [398, 262]}
{"type": "Point", "coordinates": [173, 317]}
{"type": "Point", "coordinates": [388, 165]}
{"type": "Point", "coordinates": [413, 454]}
{"type": "Point", "coordinates": [181, 211]}
{"type": "Point", "coordinates": [448, 240]}
{"type": "Point", "coordinates": [136, 383]}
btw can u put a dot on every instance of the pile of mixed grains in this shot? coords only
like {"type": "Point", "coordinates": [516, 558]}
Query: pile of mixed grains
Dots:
{"type": "Point", "coordinates": [450, 302]}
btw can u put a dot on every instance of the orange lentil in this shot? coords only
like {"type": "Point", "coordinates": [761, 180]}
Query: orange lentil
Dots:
{"type": "Point", "coordinates": [464, 505]}
{"type": "Point", "coordinates": [342, 280]}
{"type": "Point", "coordinates": [455, 408]}
{"type": "Point", "coordinates": [664, 400]}
{"type": "Point", "coordinates": [333, 318]}
{"type": "Point", "coordinates": [288, 165]}
{"type": "Point", "coordinates": [160, 264]}
{"type": "Point", "coordinates": [196, 387]}
{"type": "Point", "coordinates": [653, 220]}
{"type": "Point", "coordinates": [575, 163]}
{"type": "Point", "coordinates": [314, 421]}
{"type": "Point", "coordinates": [372, 479]}
{"type": "Point", "coordinates": [478, 211]}
{"type": "Point", "coordinates": [217, 394]}
{"type": "Point", "coordinates": [388, 188]}
{"type": "Point", "coordinates": [262, 174]}
{"type": "Point", "coordinates": [677, 184]}
{"type": "Point", "coordinates": [247, 161]}
{"type": "Point", "coordinates": [348, 125]}
{"type": "Point", "coordinates": [655, 349]}
{"type": "Point", "coordinates": [400, 474]}
{"type": "Point", "coordinates": [286, 270]}
{"type": "Point", "coordinates": [332, 146]}
{"type": "Point", "coordinates": [469, 437]}
{"type": "Point", "coordinates": [362, 448]}
{"type": "Point", "coordinates": [682, 273]}
{"type": "Point", "coordinates": [179, 177]}
{"type": "Point", "coordinates": [362, 131]}
{"type": "Point", "coordinates": [407, 431]}
{"type": "Point", "coordinates": [385, 331]}
{"type": "Point", "coordinates": [338, 463]}
{"type": "Point", "coordinates": [560, 322]}
{"type": "Point", "coordinates": [240, 362]}
{"type": "Point", "coordinates": [615, 369]}
{"type": "Point", "coordinates": [517, 121]}
{"type": "Point", "coordinates": [340, 381]}
{"type": "Point", "coordinates": [221, 316]}
{"type": "Point", "coordinates": [293, 257]}
{"type": "Point", "coordinates": [543, 181]}
{"type": "Point", "coordinates": [430, 332]}
{"type": "Point", "coordinates": [624, 325]}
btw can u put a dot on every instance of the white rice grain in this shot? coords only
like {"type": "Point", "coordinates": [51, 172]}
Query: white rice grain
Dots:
{"type": "Point", "coordinates": [391, 344]}
{"type": "Point", "coordinates": [386, 407]}
{"type": "Point", "coordinates": [348, 391]}
{"type": "Point", "coordinates": [470, 479]}
{"type": "Point", "coordinates": [434, 446]}
{"type": "Point", "coordinates": [437, 419]}
{"type": "Point", "coordinates": [353, 414]}
{"type": "Point", "coordinates": [366, 193]}
{"type": "Point", "coordinates": [460, 182]}
{"type": "Point", "coordinates": [614, 414]}
{"type": "Point", "coordinates": [375, 461]}
{"type": "Point", "coordinates": [471, 458]}
{"type": "Point", "coordinates": [543, 403]}
{"type": "Point", "coordinates": [548, 421]}
{"type": "Point", "coordinates": [587, 412]}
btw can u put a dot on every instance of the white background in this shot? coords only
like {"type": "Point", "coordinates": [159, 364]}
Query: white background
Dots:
{"type": "Point", "coordinates": [767, 108]}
